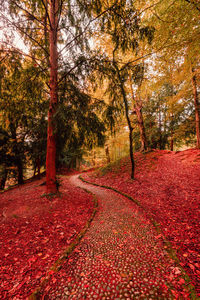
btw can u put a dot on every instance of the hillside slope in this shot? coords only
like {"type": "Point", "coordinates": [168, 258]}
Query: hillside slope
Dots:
{"type": "Point", "coordinates": [167, 184]}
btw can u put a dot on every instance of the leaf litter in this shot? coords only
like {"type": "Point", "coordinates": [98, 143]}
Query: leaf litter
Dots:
{"type": "Point", "coordinates": [34, 232]}
{"type": "Point", "coordinates": [167, 184]}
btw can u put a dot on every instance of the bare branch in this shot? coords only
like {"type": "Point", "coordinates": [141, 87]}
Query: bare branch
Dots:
{"type": "Point", "coordinates": [47, 13]}
{"type": "Point", "coordinates": [4, 57]}
{"type": "Point", "coordinates": [159, 18]}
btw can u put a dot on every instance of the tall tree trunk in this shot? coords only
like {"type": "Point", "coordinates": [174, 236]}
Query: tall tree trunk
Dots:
{"type": "Point", "coordinates": [51, 136]}
{"type": "Point", "coordinates": [18, 152]}
{"type": "Point", "coordinates": [94, 158]}
{"type": "Point", "coordinates": [160, 131]}
{"type": "Point", "coordinates": [34, 171]}
{"type": "Point", "coordinates": [107, 154]}
{"type": "Point", "coordinates": [172, 141]}
{"type": "Point", "coordinates": [138, 110]}
{"type": "Point", "coordinates": [172, 133]}
{"type": "Point", "coordinates": [3, 178]}
{"type": "Point", "coordinates": [38, 166]}
{"type": "Point", "coordinates": [197, 107]}
{"type": "Point", "coordinates": [131, 152]}
{"type": "Point", "coordinates": [143, 138]}
{"type": "Point", "coordinates": [20, 178]}
{"type": "Point", "coordinates": [128, 122]}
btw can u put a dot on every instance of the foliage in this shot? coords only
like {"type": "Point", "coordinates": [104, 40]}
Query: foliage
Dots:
{"type": "Point", "coordinates": [21, 117]}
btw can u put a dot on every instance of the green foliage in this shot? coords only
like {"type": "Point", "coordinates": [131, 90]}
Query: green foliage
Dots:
{"type": "Point", "coordinates": [21, 120]}
{"type": "Point", "coordinates": [166, 118]}
{"type": "Point", "coordinates": [129, 27]}
{"type": "Point", "coordinates": [80, 117]}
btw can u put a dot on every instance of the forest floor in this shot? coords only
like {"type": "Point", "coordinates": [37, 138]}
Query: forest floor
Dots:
{"type": "Point", "coordinates": [167, 184]}
{"type": "Point", "coordinates": [36, 230]}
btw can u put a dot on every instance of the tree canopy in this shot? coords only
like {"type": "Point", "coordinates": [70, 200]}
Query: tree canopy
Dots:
{"type": "Point", "coordinates": [86, 66]}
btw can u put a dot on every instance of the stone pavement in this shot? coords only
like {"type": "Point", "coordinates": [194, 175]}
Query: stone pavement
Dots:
{"type": "Point", "coordinates": [121, 256]}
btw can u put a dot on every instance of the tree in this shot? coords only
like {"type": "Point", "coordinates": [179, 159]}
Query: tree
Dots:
{"type": "Point", "coordinates": [177, 37]}
{"type": "Point", "coordinates": [51, 138]}
{"type": "Point", "coordinates": [44, 25]}
{"type": "Point", "coordinates": [20, 106]}
{"type": "Point", "coordinates": [124, 31]}
{"type": "Point", "coordinates": [137, 104]}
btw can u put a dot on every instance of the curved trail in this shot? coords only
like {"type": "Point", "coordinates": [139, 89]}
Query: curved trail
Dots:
{"type": "Point", "coordinates": [121, 256]}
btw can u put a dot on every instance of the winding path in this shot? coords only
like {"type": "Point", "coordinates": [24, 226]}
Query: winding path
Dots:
{"type": "Point", "coordinates": [121, 256]}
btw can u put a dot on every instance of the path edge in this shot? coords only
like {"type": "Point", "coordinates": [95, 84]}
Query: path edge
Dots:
{"type": "Point", "coordinates": [36, 295]}
{"type": "Point", "coordinates": [171, 252]}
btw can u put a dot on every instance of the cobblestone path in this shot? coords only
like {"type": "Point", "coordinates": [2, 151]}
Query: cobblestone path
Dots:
{"type": "Point", "coordinates": [120, 257]}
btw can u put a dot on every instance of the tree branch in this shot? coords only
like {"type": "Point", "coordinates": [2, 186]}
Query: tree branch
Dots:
{"type": "Point", "coordinates": [47, 14]}
{"type": "Point", "coordinates": [4, 57]}
{"type": "Point", "coordinates": [59, 12]}
{"type": "Point", "coordinates": [27, 12]}
{"type": "Point", "coordinates": [194, 4]}
{"type": "Point", "coordinates": [68, 72]}
{"type": "Point", "coordinates": [14, 49]}
{"type": "Point", "coordinates": [89, 23]}
{"type": "Point", "coordinates": [13, 24]}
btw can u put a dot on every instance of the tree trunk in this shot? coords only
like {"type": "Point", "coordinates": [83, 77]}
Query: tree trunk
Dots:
{"type": "Point", "coordinates": [143, 138]}
{"type": "Point", "coordinates": [197, 108]}
{"type": "Point", "coordinates": [3, 179]}
{"type": "Point", "coordinates": [172, 141]}
{"type": "Point", "coordinates": [107, 154]}
{"type": "Point", "coordinates": [38, 166]}
{"type": "Point", "coordinates": [18, 152]}
{"type": "Point", "coordinates": [172, 134]}
{"type": "Point", "coordinates": [94, 158]}
{"type": "Point", "coordinates": [131, 152]}
{"type": "Point", "coordinates": [129, 123]}
{"type": "Point", "coordinates": [20, 179]}
{"type": "Point", "coordinates": [138, 110]}
{"type": "Point", "coordinates": [51, 136]}
{"type": "Point", "coordinates": [77, 163]}
{"type": "Point", "coordinates": [160, 131]}
{"type": "Point", "coordinates": [34, 171]}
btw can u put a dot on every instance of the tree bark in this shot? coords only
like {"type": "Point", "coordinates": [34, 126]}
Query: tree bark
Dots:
{"type": "Point", "coordinates": [34, 171]}
{"type": "Point", "coordinates": [51, 135]}
{"type": "Point", "coordinates": [20, 179]}
{"type": "Point", "coordinates": [38, 166]}
{"type": "Point", "coordinates": [94, 158]}
{"type": "Point", "coordinates": [172, 133]}
{"type": "Point", "coordinates": [3, 179]}
{"type": "Point", "coordinates": [18, 152]}
{"type": "Point", "coordinates": [197, 107]}
{"type": "Point", "coordinates": [131, 152]}
{"type": "Point", "coordinates": [129, 123]}
{"type": "Point", "coordinates": [160, 132]}
{"type": "Point", "coordinates": [172, 141]}
{"type": "Point", "coordinates": [107, 154]}
{"type": "Point", "coordinates": [140, 120]}
{"type": "Point", "coordinates": [138, 110]}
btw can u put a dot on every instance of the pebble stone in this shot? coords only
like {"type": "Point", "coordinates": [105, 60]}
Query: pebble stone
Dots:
{"type": "Point", "coordinates": [118, 258]}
